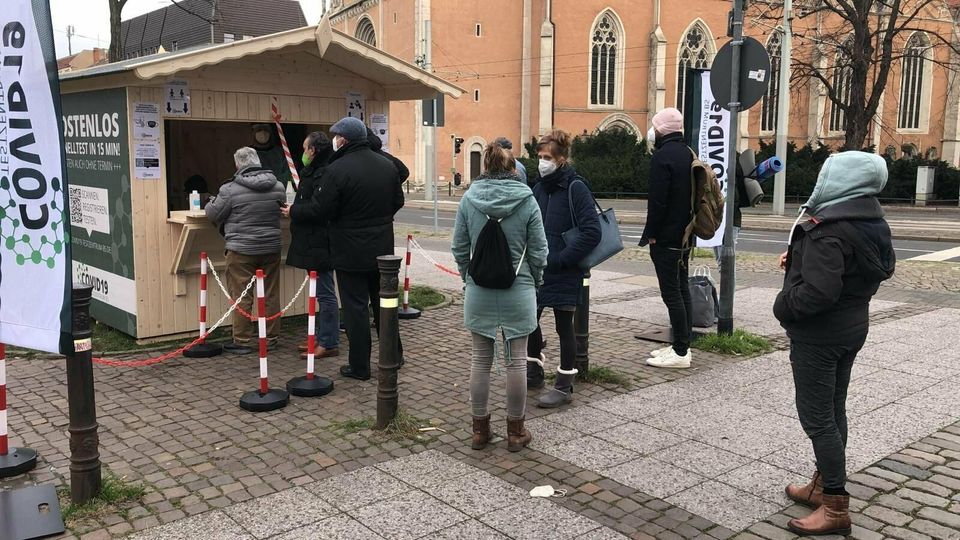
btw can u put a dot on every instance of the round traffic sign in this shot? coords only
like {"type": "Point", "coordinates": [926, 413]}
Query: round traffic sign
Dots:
{"type": "Point", "coordinates": [754, 73]}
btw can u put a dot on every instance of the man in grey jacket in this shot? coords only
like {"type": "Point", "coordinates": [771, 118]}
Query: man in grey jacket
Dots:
{"type": "Point", "coordinates": [247, 211]}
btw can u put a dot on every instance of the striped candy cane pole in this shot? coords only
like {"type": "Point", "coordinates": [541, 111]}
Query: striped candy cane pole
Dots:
{"type": "Point", "coordinates": [406, 276]}
{"type": "Point", "coordinates": [283, 142]}
{"type": "Point", "coordinates": [203, 295]}
{"type": "Point", "coordinates": [311, 323]}
{"type": "Point", "coordinates": [4, 448]}
{"type": "Point", "coordinates": [262, 324]}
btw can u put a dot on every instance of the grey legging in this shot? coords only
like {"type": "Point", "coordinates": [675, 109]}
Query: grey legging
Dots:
{"type": "Point", "coordinates": [483, 355]}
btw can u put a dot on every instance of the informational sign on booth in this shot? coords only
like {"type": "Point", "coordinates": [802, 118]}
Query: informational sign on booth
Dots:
{"type": "Point", "coordinates": [177, 98]}
{"type": "Point", "coordinates": [98, 167]}
{"type": "Point", "coordinates": [146, 159]}
{"type": "Point", "coordinates": [379, 125]}
{"type": "Point", "coordinates": [146, 121]}
{"type": "Point", "coordinates": [357, 106]}
{"type": "Point", "coordinates": [713, 145]}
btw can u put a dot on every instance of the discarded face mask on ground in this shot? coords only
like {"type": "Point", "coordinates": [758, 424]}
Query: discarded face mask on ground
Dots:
{"type": "Point", "coordinates": [547, 491]}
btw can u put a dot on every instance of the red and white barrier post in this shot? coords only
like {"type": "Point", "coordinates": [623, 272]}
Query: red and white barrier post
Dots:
{"type": "Point", "coordinates": [407, 312]}
{"type": "Point", "coordinates": [265, 398]}
{"type": "Point", "coordinates": [13, 461]}
{"type": "Point", "coordinates": [203, 349]}
{"type": "Point", "coordinates": [310, 385]}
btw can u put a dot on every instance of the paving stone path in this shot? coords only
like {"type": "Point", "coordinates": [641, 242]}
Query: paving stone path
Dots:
{"type": "Point", "coordinates": [662, 457]}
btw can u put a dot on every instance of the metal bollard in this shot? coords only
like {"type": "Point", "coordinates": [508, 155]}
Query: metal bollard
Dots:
{"type": "Point", "coordinates": [85, 473]}
{"type": "Point", "coordinates": [581, 328]}
{"type": "Point", "coordinates": [389, 361]}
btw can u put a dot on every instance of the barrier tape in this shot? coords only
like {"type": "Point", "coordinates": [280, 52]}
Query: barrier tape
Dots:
{"type": "Point", "coordinates": [275, 109]}
{"type": "Point", "coordinates": [243, 312]}
{"type": "Point", "coordinates": [425, 255]}
{"type": "Point", "coordinates": [178, 352]}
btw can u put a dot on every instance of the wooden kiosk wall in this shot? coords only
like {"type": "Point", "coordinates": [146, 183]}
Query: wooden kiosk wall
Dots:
{"type": "Point", "coordinates": [167, 302]}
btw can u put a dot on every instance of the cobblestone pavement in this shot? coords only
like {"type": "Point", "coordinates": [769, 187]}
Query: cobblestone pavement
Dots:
{"type": "Point", "coordinates": [621, 453]}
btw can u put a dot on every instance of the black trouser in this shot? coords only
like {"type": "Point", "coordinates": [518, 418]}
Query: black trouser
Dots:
{"type": "Point", "coordinates": [568, 341]}
{"type": "Point", "coordinates": [821, 375]}
{"type": "Point", "coordinates": [672, 266]}
{"type": "Point", "coordinates": [357, 291]}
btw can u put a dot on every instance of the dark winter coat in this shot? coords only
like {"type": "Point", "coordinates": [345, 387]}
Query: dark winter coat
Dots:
{"type": "Point", "coordinates": [563, 277]}
{"type": "Point", "coordinates": [309, 234]}
{"type": "Point", "coordinates": [668, 208]}
{"type": "Point", "coordinates": [377, 146]}
{"type": "Point", "coordinates": [838, 258]}
{"type": "Point", "coordinates": [360, 193]}
{"type": "Point", "coordinates": [247, 209]}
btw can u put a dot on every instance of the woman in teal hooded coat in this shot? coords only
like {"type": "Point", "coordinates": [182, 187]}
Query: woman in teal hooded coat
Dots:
{"type": "Point", "coordinates": [500, 194]}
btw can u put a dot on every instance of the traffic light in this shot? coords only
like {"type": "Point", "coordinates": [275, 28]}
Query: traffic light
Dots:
{"type": "Point", "coordinates": [457, 142]}
{"type": "Point", "coordinates": [457, 179]}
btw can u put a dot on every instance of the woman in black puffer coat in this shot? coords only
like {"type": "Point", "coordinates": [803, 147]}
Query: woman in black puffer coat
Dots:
{"type": "Point", "coordinates": [565, 201]}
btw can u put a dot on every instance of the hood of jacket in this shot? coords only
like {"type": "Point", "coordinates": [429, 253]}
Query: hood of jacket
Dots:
{"type": "Point", "coordinates": [664, 139]}
{"type": "Point", "coordinates": [847, 176]}
{"type": "Point", "coordinates": [375, 143]}
{"type": "Point", "coordinates": [497, 196]}
{"type": "Point", "coordinates": [256, 178]}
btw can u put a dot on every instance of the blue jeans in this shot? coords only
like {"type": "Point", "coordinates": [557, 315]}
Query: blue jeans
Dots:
{"type": "Point", "coordinates": [328, 312]}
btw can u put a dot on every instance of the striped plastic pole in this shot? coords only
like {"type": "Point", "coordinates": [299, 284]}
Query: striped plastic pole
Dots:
{"type": "Point", "coordinates": [4, 448]}
{"type": "Point", "coordinates": [203, 349]}
{"type": "Point", "coordinates": [17, 460]}
{"type": "Point", "coordinates": [406, 312]}
{"type": "Point", "coordinates": [283, 142]}
{"type": "Point", "coordinates": [262, 324]}
{"type": "Point", "coordinates": [311, 323]}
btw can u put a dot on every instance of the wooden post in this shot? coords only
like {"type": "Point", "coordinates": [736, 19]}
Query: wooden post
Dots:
{"type": "Point", "coordinates": [389, 361]}
{"type": "Point", "coordinates": [581, 328]}
{"type": "Point", "coordinates": [85, 474]}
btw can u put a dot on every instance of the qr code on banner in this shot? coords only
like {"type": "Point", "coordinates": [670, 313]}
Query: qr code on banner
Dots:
{"type": "Point", "coordinates": [76, 205]}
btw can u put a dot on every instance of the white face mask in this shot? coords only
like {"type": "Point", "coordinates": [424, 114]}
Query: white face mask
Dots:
{"type": "Point", "coordinates": [651, 138]}
{"type": "Point", "coordinates": [337, 143]}
{"type": "Point", "coordinates": [546, 167]}
{"type": "Point", "coordinates": [547, 491]}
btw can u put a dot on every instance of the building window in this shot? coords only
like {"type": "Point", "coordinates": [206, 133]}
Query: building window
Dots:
{"type": "Point", "coordinates": [476, 95]}
{"type": "Point", "coordinates": [771, 105]}
{"type": "Point", "coordinates": [696, 52]}
{"type": "Point", "coordinates": [245, 36]}
{"type": "Point", "coordinates": [479, 30]}
{"type": "Point", "coordinates": [912, 80]}
{"type": "Point", "coordinates": [365, 32]}
{"type": "Point", "coordinates": [842, 74]}
{"type": "Point", "coordinates": [605, 60]}
{"type": "Point", "coordinates": [227, 38]}
{"type": "Point", "coordinates": [394, 17]}
{"type": "Point", "coordinates": [175, 45]}
{"type": "Point", "coordinates": [909, 151]}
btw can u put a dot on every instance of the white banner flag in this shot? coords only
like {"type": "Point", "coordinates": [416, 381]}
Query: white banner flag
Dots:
{"type": "Point", "coordinates": [35, 280]}
{"type": "Point", "coordinates": [714, 146]}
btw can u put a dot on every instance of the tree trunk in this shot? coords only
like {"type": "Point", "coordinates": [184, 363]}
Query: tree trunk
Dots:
{"type": "Point", "coordinates": [116, 47]}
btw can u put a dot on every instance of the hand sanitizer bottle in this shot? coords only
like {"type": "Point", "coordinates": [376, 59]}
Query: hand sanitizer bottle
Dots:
{"type": "Point", "coordinates": [291, 193]}
{"type": "Point", "coordinates": [195, 201]}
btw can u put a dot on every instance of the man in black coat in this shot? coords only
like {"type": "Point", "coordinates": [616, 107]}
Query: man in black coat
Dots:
{"type": "Point", "coordinates": [310, 242]}
{"type": "Point", "coordinates": [360, 194]}
{"type": "Point", "coordinates": [668, 214]}
{"type": "Point", "coordinates": [376, 144]}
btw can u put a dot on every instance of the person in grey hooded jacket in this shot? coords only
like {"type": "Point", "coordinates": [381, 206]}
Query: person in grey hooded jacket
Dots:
{"type": "Point", "coordinates": [834, 265]}
{"type": "Point", "coordinates": [499, 194]}
{"type": "Point", "coordinates": [247, 210]}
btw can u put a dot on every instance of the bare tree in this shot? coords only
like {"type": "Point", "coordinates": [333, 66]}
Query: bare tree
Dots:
{"type": "Point", "coordinates": [850, 47]}
{"type": "Point", "coordinates": [116, 47]}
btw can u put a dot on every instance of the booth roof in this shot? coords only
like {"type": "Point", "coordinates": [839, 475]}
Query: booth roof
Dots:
{"type": "Point", "coordinates": [401, 80]}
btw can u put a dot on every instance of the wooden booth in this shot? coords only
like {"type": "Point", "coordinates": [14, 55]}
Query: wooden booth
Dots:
{"type": "Point", "coordinates": [143, 133]}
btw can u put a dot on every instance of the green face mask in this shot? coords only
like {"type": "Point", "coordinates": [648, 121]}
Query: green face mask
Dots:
{"type": "Point", "coordinates": [306, 159]}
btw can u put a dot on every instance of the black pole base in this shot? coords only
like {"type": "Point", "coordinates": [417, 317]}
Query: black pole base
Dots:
{"type": "Point", "coordinates": [724, 326]}
{"type": "Point", "coordinates": [204, 350]}
{"type": "Point", "coordinates": [304, 387]}
{"type": "Point", "coordinates": [17, 461]}
{"type": "Point", "coordinates": [274, 399]}
{"type": "Point", "coordinates": [409, 313]}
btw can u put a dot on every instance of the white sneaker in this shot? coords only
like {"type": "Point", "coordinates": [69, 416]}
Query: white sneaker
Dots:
{"type": "Point", "coordinates": [661, 352]}
{"type": "Point", "coordinates": [670, 360]}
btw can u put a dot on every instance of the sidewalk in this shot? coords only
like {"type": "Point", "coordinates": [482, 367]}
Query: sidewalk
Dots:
{"type": "Point", "coordinates": [699, 453]}
{"type": "Point", "coordinates": [940, 224]}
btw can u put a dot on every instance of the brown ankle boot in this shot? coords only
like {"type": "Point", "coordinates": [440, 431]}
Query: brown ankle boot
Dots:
{"type": "Point", "coordinates": [481, 432]}
{"type": "Point", "coordinates": [517, 436]}
{"type": "Point", "coordinates": [831, 518]}
{"type": "Point", "coordinates": [809, 495]}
